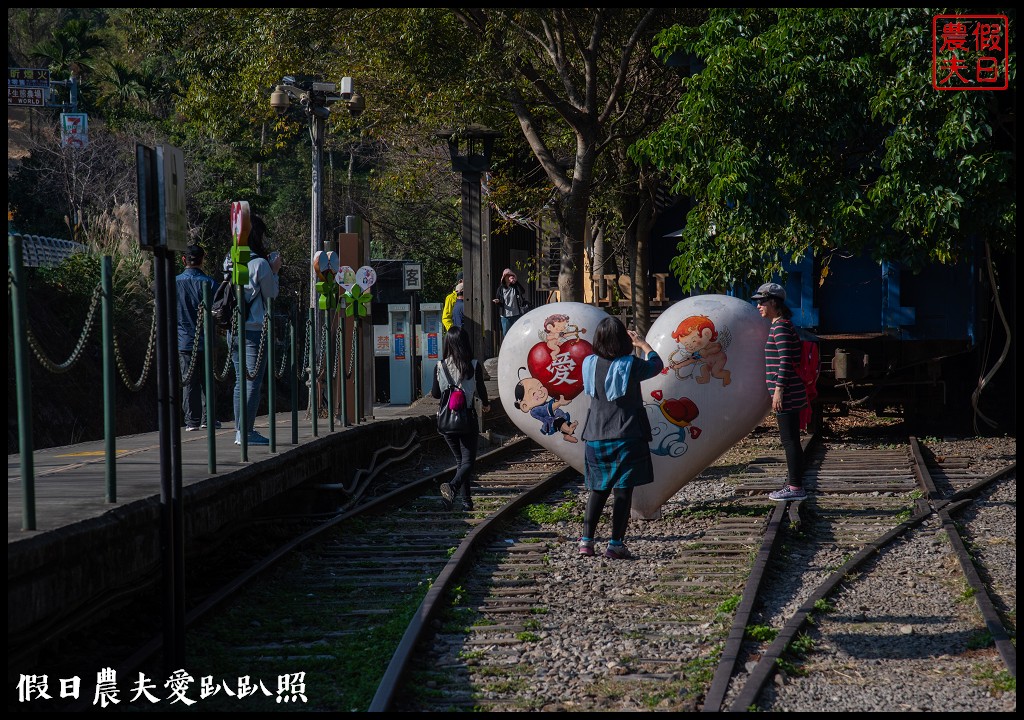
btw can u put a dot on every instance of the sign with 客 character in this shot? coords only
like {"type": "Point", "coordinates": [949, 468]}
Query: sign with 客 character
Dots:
{"type": "Point", "coordinates": [412, 276]}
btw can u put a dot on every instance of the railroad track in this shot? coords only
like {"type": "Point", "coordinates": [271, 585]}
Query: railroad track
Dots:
{"type": "Point", "coordinates": [398, 604]}
{"type": "Point", "coordinates": [719, 618]}
{"type": "Point", "coordinates": [337, 598]}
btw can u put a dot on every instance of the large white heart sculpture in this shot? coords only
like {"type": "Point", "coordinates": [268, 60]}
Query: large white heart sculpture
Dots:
{"type": "Point", "coordinates": [711, 394]}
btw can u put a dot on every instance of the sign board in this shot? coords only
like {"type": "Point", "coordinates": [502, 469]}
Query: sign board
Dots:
{"type": "Point", "coordinates": [28, 77]}
{"type": "Point", "coordinates": [32, 96]}
{"type": "Point", "coordinates": [27, 86]}
{"type": "Point", "coordinates": [412, 276]}
{"type": "Point", "coordinates": [74, 130]}
{"type": "Point", "coordinates": [161, 188]}
{"type": "Point", "coordinates": [171, 176]}
{"type": "Point", "coordinates": [382, 340]}
{"type": "Point", "coordinates": [149, 208]}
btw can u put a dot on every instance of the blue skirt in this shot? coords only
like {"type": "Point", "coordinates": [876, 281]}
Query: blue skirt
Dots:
{"type": "Point", "coordinates": [617, 464]}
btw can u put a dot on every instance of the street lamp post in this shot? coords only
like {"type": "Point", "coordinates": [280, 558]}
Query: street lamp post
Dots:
{"type": "Point", "coordinates": [316, 98]}
{"type": "Point", "coordinates": [470, 150]}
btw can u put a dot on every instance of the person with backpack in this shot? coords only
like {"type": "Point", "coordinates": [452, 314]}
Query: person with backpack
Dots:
{"type": "Point", "coordinates": [458, 370]}
{"type": "Point", "coordinates": [789, 394]}
{"type": "Point", "coordinates": [191, 350]}
{"type": "Point", "coordinates": [263, 285]}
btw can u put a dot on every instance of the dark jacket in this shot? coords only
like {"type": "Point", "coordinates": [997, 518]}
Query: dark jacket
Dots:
{"type": "Point", "coordinates": [512, 300]}
{"type": "Point", "coordinates": [189, 290]}
{"type": "Point", "coordinates": [457, 313]}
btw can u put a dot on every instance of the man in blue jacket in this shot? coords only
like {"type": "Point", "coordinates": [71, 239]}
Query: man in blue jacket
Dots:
{"type": "Point", "coordinates": [189, 288]}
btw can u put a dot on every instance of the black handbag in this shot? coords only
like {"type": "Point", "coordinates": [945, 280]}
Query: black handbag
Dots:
{"type": "Point", "coordinates": [454, 420]}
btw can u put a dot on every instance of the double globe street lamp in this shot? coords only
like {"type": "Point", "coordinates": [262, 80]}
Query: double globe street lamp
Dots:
{"type": "Point", "coordinates": [316, 99]}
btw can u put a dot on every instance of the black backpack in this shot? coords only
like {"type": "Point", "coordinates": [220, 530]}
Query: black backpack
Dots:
{"type": "Point", "coordinates": [225, 302]}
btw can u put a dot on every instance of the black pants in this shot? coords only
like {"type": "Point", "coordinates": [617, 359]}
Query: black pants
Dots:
{"type": "Point", "coordinates": [463, 447]}
{"type": "Point", "coordinates": [620, 512]}
{"type": "Point", "coordinates": [789, 429]}
{"type": "Point", "coordinates": [193, 388]}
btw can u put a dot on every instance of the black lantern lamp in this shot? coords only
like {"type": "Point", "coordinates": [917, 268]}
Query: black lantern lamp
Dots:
{"type": "Point", "coordinates": [470, 152]}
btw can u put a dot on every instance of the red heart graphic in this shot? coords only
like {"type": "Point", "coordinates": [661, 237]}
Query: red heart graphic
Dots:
{"type": "Point", "coordinates": [563, 376]}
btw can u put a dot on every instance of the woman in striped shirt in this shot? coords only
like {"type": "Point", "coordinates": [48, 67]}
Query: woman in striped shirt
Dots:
{"type": "Point", "coordinates": [789, 396]}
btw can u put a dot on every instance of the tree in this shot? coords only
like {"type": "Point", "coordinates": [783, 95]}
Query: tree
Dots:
{"type": "Point", "coordinates": [817, 131]}
{"type": "Point", "coordinates": [569, 75]}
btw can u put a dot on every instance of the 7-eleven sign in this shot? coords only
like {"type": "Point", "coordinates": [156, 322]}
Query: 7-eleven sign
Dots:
{"type": "Point", "coordinates": [74, 130]}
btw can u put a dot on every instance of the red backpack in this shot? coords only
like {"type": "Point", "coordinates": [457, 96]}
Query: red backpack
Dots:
{"type": "Point", "coordinates": [807, 369]}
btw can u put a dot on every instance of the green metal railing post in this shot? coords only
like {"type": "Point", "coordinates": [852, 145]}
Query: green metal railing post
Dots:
{"type": "Point", "coordinates": [314, 410]}
{"type": "Point", "coordinates": [19, 326]}
{"type": "Point", "coordinates": [109, 380]}
{"type": "Point", "coordinates": [341, 372]}
{"type": "Point", "coordinates": [211, 379]}
{"type": "Point", "coordinates": [329, 350]}
{"type": "Point", "coordinates": [293, 380]}
{"type": "Point", "coordinates": [357, 377]}
{"type": "Point", "coordinates": [270, 375]}
{"type": "Point", "coordinates": [243, 375]}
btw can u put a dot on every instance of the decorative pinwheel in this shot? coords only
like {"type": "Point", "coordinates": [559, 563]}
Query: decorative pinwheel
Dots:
{"type": "Point", "coordinates": [357, 302]}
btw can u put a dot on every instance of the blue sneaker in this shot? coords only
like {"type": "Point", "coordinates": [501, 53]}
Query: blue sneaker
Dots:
{"type": "Point", "coordinates": [617, 552]}
{"type": "Point", "coordinates": [254, 439]}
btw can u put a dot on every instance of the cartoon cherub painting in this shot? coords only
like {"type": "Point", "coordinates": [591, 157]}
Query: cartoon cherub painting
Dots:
{"type": "Point", "coordinates": [671, 419]}
{"type": "Point", "coordinates": [532, 397]}
{"type": "Point", "coordinates": [699, 342]}
{"type": "Point", "coordinates": [557, 331]}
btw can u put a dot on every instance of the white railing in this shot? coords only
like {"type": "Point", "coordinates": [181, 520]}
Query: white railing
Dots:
{"type": "Point", "coordinates": [39, 251]}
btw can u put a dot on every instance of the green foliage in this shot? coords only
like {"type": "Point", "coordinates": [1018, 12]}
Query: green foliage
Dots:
{"type": "Point", "coordinates": [815, 131]}
{"type": "Point", "coordinates": [801, 644]}
{"type": "Point", "coordinates": [823, 606]}
{"type": "Point", "coordinates": [1000, 681]}
{"type": "Point", "coordinates": [761, 633]}
{"type": "Point", "coordinates": [543, 513]}
{"type": "Point", "coordinates": [967, 595]}
{"type": "Point", "coordinates": [728, 606]}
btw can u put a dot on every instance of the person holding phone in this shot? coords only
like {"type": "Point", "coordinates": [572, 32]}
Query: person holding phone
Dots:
{"type": "Point", "coordinates": [617, 457]}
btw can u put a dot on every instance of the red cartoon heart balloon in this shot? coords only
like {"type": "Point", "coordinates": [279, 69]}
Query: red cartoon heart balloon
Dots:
{"type": "Point", "coordinates": [559, 368]}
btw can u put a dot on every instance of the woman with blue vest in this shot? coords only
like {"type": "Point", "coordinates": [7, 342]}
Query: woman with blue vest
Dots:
{"type": "Point", "coordinates": [616, 431]}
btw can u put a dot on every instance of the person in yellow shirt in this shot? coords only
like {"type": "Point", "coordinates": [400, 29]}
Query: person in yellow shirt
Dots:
{"type": "Point", "coordinates": [449, 305]}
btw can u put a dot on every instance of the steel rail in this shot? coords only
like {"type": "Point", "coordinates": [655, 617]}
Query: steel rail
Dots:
{"type": "Point", "coordinates": [434, 600]}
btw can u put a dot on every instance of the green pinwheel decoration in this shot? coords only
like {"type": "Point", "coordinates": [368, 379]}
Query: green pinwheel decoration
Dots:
{"type": "Point", "coordinates": [357, 302]}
